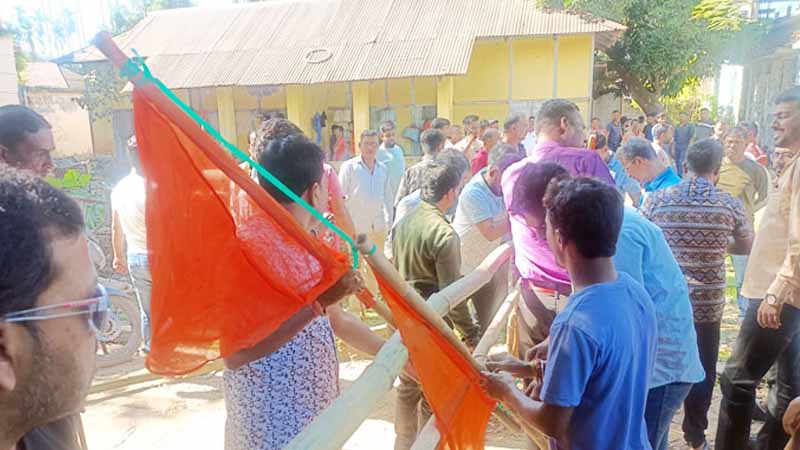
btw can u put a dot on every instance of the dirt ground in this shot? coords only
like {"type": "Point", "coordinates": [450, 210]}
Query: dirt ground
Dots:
{"type": "Point", "coordinates": [190, 414]}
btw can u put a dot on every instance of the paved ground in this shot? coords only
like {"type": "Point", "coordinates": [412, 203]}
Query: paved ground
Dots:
{"type": "Point", "coordinates": [190, 414]}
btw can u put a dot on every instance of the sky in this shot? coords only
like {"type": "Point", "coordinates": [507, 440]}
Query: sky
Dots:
{"type": "Point", "coordinates": [91, 15]}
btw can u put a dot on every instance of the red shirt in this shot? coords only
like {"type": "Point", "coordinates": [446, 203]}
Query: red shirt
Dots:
{"type": "Point", "coordinates": [757, 153]}
{"type": "Point", "coordinates": [479, 161]}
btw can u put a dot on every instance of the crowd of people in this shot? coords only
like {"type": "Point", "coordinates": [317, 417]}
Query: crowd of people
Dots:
{"type": "Point", "coordinates": [620, 242]}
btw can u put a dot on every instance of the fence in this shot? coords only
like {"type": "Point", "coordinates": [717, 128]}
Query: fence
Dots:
{"type": "Point", "coordinates": [334, 426]}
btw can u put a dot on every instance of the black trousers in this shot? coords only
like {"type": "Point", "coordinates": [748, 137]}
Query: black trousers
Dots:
{"type": "Point", "coordinates": [756, 350]}
{"type": "Point", "coordinates": [697, 403]}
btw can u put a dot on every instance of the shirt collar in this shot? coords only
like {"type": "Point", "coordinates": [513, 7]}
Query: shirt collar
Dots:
{"type": "Point", "coordinates": [432, 208]}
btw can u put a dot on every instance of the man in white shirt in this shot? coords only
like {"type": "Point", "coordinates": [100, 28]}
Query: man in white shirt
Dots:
{"type": "Point", "coordinates": [481, 222]}
{"type": "Point", "coordinates": [391, 155]}
{"type": "Point", "coordinates": [365, 184]}
{"type": "Point", "coordinates": [530, 139]}
{"type": "Point", "coordinates": [129, 235]}
{"type": "Point", "coordinates": [471, 141]}
{"type": "Point", "coordinates": [662, 140]}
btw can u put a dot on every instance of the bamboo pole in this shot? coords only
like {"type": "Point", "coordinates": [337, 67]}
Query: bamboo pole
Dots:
{"type": "Point", "coordinates": [384, 268]}
{"type": "Point", "coordinates": [331, 429]}
{"type": "Point", "coordinates": [429, 437]}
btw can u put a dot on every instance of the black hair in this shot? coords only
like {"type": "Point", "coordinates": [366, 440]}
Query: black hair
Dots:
{"type": "Point", "coordinates": [651, 114]}
{"type": "Point", "coordinates": [16, 121]}
{"type": "Point", "coordinates": [616, 111]}
{"type": "Point", "coordinates": [588, 212]}
{"type": "Point", "coordinates": [272, 130]}
{"type": "Point", "coordinates": [789, 95]}
{"type": "Point", "coordinates": [704, 157]}
{"type": "Point", "coordinates": [437, 180]}
{"type": "Point", "coordinates": [32, 214]}
{"type": "Point", "coordinates": [512, 120]}
{"type": "Point", "coordinates": [531, 185]}
{"type": "Point", "coordinates": [454, 158]}
{"type": "Point", "coordinates": [468, 119]}
{"type": "Point", "coordinates": [439, 123]}
{"type": "Point", "coordinates": [637, 147]}
{"type": "Point", "coordinates": [499, 152]}
{"type": "Point", "coordinates": [337, 127]}
{"type": "Point", "coordinates": [386, 126]}
{"type": "Point", "coordinates": [295, 161]}
{"type": "Point", "coordinates": [599, 140]}
{"type": "Point", "coordinates": [554, 109]}
{"type": "Point", "coordinates": [431, 140]}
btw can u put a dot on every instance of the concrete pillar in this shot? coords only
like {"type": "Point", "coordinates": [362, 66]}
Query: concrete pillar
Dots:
{"type": "Point", "coordinates": [226, 113]}
{"type": "Point", "coordinates": [360, 109]}
{"type": "Point", "coordinates": [295, 107]}
{"type": "Point", "coordinates": [444, 98]}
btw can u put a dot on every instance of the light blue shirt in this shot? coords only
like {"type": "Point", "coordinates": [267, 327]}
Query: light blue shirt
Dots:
{"type": "Point", "coordinates": [395, 162]}
{"type": "Point", "coordinates": [602, 347]}
{"type": "Point", "coordinates": [643, 253]}
{"type": "Point", "coordinates": [366, 195]}
{"type": "Point", "coordinates": [477, 203]}
{"type": "Point", "coordinates": [624, 182]}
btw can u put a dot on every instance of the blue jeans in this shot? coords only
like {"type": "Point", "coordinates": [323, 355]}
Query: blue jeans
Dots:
{"type": "Point", "coordinates": [662, 404]}
{"type": "Point", "coordinates": [139, 269]}
{"type": "Point", "coordinates": [739, 263]}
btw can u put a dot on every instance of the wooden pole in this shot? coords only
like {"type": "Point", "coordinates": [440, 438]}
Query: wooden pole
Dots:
{"type": "Point", "coordinates": [429, 437]}
{"type": "Point", "coordinates": [384, 268]}
{"type": "Point", "coordinates": [331, 429]}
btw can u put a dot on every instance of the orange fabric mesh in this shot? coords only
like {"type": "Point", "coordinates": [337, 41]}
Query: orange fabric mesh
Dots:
{"type": "Point", "coordinates": [229, 264]}
{"type": "Point", "coordinates": [450, 383]}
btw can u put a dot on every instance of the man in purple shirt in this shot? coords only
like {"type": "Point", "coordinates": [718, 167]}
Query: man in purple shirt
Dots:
{"type": "Point", "coordinates": [544, 283]}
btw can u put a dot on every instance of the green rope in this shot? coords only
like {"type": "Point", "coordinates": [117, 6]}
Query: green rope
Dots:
{"type": "Point", "coordinates": [135, 66]}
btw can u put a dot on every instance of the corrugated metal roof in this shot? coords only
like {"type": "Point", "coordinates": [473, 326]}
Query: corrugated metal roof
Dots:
{"type": "Point", "coordinates": [271, 42]}
{"type": "Point", "coordinates": [48, 75]}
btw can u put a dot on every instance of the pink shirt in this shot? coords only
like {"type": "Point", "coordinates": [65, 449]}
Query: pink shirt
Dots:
{"type": "Point", "coordinates": [533, 258]}
{"type": "Point", "coordinates": [330, 182]}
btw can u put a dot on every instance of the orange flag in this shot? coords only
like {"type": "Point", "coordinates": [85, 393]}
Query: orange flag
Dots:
{"type": "Point", "coordinates": [450, 383]}
{"type": "Point", "coordinates": [229, 263]}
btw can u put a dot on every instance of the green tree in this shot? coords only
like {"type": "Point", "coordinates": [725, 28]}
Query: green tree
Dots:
{"type": "Point", "coordinates": [668, 44]}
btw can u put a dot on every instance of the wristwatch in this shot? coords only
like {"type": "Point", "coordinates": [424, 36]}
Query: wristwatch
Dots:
{"type": "Point", "coordinates": [771, 300]}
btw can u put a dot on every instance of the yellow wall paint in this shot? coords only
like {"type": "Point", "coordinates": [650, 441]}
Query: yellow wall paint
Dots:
{"type": "Point", "coordinates": [361, 93]}
{"type": "Point", "coordinates": [497, 111]}
{"type": "Point", "coordinates": [425, 90]}
{"type": "Point", "coordinates": [444, 97]}
{"type": "Point", "coordinates": [226, 112]}
{"type": "Point", "coordinates": [400, 91]}
{"type": "Point", "coordinates": [533, 68]}
{"type": "Point", "coordinates": [295, 105]}
{"type": "Point", "coordinates": [377, 93]}
{"type": "Point", "coordinates": [574, 66]}
{"type": "Point", "coordinates": [487, 75]}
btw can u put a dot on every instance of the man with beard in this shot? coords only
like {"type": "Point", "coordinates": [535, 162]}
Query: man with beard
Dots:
{"type": "Point", "coordinates": [50, 309]}
{"type": "Point", "coordinates": [772, 283]}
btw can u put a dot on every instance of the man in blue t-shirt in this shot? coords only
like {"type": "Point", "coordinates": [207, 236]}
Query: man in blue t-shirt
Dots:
{"type": "Point", "coordinates": [602, 345]}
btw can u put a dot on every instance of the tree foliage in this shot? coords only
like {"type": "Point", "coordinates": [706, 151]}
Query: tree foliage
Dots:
{"type": "Point", "coordinates": [668, 44]}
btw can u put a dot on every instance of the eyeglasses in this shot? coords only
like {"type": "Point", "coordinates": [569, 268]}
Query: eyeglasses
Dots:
{"type": "Point", "coordinates": [96, 308]}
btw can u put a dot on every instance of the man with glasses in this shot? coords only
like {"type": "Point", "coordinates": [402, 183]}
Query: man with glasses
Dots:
{"type": "Point", "coordinates": [641, 162]}
{"type": "Point", "coordinates": [50, 310]}
{"type": "Point", "coordinates": [26, 143]}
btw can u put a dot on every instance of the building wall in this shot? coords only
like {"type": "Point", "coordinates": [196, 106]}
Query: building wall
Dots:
{"type": "Point", "coordinates": [8, 72]}
{"type": "Point", "coordinates": [504, 75]}
{"type": "Point", "coordinates": [70, 122]}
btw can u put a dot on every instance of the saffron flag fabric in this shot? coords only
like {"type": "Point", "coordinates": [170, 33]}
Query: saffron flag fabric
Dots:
{"type": "Point", "coordinates": [450, 384]}
{"type": "Point", "coordinates": [229, 264]}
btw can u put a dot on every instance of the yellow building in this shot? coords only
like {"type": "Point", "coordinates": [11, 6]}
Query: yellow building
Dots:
{"type": "Point", "coordinates": [362, 61]}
